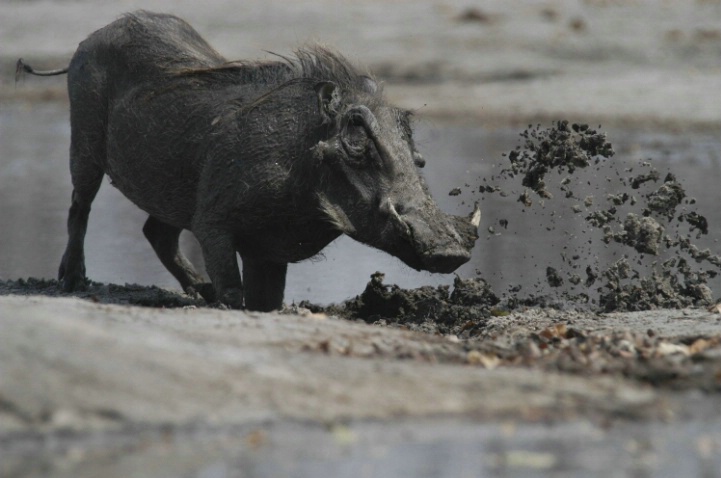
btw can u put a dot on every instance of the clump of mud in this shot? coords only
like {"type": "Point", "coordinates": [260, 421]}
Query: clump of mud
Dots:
{"type": "Point", "coordinates": [561, 148]}
{"type": "Point", "coordinates": [430, 309]}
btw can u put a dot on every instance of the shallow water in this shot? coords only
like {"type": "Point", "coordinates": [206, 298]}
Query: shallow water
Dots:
{"type": "Point", "coordinates": [35, 194]}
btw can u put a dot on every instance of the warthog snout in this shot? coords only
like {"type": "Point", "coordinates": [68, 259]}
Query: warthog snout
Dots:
{"type": "Point", "coordinates": [438, 242]}
{"type": "Point", "coordinates": [446, 260]}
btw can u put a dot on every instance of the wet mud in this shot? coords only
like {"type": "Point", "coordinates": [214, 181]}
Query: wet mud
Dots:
{"type": "Point", "coordinates": [539, 333]}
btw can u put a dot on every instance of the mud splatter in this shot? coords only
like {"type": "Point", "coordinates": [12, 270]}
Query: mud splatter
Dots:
{"type": "Point", "coordinates": [652, 223]}
{"type": "Point", "coordinates": [561, 148]}
{"type": "Point", "coordinates": [553, 278]}
{"type": "Point", "coordinates": [626, 290]}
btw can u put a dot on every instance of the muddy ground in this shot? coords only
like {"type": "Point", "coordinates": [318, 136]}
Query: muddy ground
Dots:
{"type": "Point", "coordinates": [674, 349]}
{"type": "Point", "coordinates": [129, 379]}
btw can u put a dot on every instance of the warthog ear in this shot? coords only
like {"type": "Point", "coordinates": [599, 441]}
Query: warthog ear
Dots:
{"type": "Point", "coordinates": [328, 100]}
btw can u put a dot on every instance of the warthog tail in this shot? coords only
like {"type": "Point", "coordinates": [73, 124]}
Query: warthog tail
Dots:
{"type": "Point", "coordinates": [22, 67]}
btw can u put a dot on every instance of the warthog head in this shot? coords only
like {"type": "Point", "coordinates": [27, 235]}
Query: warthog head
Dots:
{"type": "Point", "coordinates": [373, 190]}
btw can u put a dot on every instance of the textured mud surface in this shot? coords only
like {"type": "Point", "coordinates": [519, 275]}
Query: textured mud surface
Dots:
{"type": "Point", "coordinates": [470, 325]}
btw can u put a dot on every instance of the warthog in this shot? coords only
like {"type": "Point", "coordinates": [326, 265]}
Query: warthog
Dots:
{"type": "Point", "coordinates": [272, 160]}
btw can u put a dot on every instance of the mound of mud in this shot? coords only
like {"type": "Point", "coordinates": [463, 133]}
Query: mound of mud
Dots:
{"type": "Point", "coordinates": [462, 311]}
{"type": "Point", "coordinates": [430, 309]}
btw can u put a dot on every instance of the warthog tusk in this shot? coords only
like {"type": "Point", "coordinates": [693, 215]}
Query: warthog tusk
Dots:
{"type": "Point", "coordinates": [398, 218]}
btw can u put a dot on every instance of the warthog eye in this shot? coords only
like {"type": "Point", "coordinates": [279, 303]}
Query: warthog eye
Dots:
{"type": "Point", "coordinates": [355, 137]}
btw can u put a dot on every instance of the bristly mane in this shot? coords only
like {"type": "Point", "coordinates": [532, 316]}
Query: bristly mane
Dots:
{"type": "Point", "coordinates": [307, 65]}
{"type": "Point", "coordinates": [322, 64]}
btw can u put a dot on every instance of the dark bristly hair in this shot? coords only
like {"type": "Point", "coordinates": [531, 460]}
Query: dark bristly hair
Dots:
{"type": "Point", "coordinates": [310, 65]}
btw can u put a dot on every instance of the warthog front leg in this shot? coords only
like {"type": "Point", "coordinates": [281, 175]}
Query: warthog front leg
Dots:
{"type": "Point", "coordinates": [221, 264]}
{"type": "Point", "coordinates": [264, 284]}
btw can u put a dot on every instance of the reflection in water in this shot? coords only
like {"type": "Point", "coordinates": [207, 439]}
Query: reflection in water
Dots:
{"type": "Point", "coordinates": [35, 194]}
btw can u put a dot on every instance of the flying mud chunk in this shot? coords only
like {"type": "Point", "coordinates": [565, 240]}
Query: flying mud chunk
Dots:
{"type": "Point", "coordinates": [652, 175]}
{"type": "Point", "coordinates": [666, 198]}
{"type": "Point", "coordinates": [553, 277]}
{"type": "Point", "coordinates": [644, 234]}
{"type": "Point", "coordinates": [268, 160]}
{"type": "Point", "coordinates": [696, 221]}
{"type": "Point", "coordinates": [561, 148]}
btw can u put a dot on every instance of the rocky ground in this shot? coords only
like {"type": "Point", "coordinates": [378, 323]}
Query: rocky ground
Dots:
{"type": "Point", "coordinates": [140, 381]}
